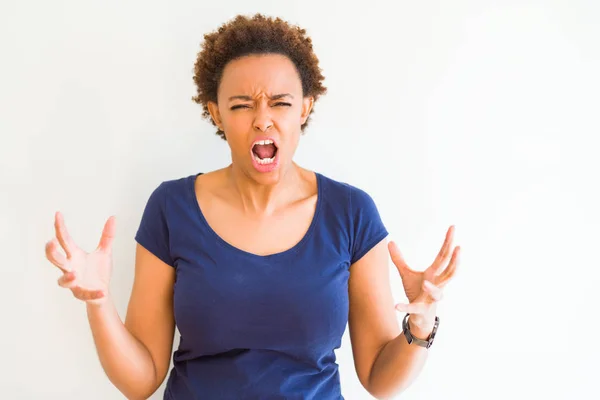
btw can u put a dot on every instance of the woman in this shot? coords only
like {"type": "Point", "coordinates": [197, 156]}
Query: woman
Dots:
{"type": "Point", "coordinates": [261, 264]}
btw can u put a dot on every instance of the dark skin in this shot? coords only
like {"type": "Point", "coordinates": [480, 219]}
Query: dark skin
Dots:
{"type": "Point", "coordinates": [258, 96]}
{"type": "Point", "coordinates": [261, 96]}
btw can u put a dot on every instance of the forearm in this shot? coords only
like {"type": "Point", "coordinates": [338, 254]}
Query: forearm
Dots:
{"type": "Point", "coordinates": [397, 365]}
{"type": "Point", "coordinates": [126, 361]}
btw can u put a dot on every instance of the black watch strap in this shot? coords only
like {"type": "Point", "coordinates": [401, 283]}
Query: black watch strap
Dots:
{"type": "Point", "coordinates": [420, 342]}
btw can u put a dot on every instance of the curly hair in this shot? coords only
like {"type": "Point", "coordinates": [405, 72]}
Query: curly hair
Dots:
{"type": "Point", "coordinates": [254, 35]}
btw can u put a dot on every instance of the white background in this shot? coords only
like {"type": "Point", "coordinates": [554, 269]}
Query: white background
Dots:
{"type": "Point", "coordinates": [482, 114]}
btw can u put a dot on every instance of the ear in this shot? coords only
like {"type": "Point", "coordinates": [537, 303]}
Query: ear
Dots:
{"type": "Point", "coordinates": [213, 109]}
{"type": "Point", "coordinates": [307, 105]}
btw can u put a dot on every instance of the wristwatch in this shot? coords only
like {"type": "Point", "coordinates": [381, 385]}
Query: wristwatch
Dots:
{"type": "Point", "coordinates": [420, 342]}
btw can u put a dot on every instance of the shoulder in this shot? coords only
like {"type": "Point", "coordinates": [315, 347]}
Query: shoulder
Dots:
{"type": "Point", "coordinates": [356, 197]}
{"type": "Point", "coordinates": [177, 183]}
{"type": "Point", "coordinates": [173, 188]}
{"type": "Point", "coordinates": [358, 214]}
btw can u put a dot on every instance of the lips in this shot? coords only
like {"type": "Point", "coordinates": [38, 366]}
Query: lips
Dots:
{"type": "Point", "coordinates": [264, 154]}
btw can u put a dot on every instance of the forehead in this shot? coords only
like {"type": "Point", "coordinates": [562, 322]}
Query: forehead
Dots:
{"type": "Point", "coordinates": [256, 74]}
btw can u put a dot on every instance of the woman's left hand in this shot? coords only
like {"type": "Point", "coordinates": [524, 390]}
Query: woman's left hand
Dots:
{"type": "Point", "coordinates": [424, 289]}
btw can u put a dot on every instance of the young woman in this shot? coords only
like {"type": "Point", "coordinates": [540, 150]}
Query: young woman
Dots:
{"type": "Point", "coordinates": [261, 264]}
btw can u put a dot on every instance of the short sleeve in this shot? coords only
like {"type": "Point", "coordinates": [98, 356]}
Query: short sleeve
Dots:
{"type": "Point", "coordinates": [153, 231]}
{"type": "Point", "coordinates": [368, 228]}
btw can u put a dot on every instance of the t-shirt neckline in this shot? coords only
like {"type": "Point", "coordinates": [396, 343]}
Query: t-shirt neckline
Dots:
{"type": "Point", "coordinates": [222, 242]}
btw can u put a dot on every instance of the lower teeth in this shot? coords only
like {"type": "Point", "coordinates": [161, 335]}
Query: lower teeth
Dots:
{"type": "Point", "coordinates": [264, 160]}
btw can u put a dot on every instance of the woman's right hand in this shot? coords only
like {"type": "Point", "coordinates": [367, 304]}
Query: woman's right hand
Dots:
{"type": "Point", "coordinates": [86, 274]}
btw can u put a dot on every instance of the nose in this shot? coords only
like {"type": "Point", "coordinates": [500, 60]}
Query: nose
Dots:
{"type": "Point", "coordinates": [262, 119]}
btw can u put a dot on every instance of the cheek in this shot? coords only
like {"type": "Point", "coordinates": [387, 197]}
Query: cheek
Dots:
{"type": "Point", "coordinates": [291, 120]}
{"type": "Point", "coordinates": [238, 122]}
{"type": "Point", "coordinates": [238, 146]}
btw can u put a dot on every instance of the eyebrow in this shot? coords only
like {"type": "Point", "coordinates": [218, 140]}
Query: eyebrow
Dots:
{"type": "Point", "coordinates": [248, 98]}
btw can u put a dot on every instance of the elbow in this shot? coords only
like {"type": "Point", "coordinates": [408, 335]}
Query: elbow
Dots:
{"type": "Point", "coordinates": [382, 390]}
{"type": "Point", "coordinates": [374, 390]}
{"type": "Point", "coordinates": [137, 393]}
{"type": "Point", "coordinates": [147, 383]}
{"type": "Point", "coordinates": [140, 389]}
{"type": "Point", "coordinates": [383, 394]}
{"type": "Point", "coordinates": [380, 394]}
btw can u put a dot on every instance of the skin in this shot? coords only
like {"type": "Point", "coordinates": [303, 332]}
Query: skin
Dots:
{"type": "Point", "coordinates": [241, 205]}
{"type": "Point", "coordinates": [275, 107]}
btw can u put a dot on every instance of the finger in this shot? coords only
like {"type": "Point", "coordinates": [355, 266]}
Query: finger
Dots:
{"type": "Point", "coordinates": [55, 256]}
{"type": "Point", "coordinates": [449, 272]}
{"type": "Point", "coordinates": [67, 280]}
{"type": "Point", "coordinates": [96, 294]}
{"type": "Point", "coordinates": [444, 252]}
{"type": "Point", "coordinates": [86, 295]}
{"type": "Point", "coordinates": [435, 292]}
{"type": "Point", "coordinates": [412, 308]}
{"type": "Point", "coordinates": [63, 235]}
{"type": "Point", "coordinates": [108, 235]}
{"type": "Point", "coordinates": [398, 259]}
{"type": "Point", "coordinates": [77, 292]}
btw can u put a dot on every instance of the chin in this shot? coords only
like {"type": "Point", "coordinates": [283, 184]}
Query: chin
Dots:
{"type": "Point", "coordinates": [270, 177]}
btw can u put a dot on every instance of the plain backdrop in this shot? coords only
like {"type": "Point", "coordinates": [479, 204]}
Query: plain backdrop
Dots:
{"type": "Point", "coordinates": [481, 114]}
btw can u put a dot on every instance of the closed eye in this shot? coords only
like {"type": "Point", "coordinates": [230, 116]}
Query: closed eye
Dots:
{"type": "Point", "coordinates": [278, 104]}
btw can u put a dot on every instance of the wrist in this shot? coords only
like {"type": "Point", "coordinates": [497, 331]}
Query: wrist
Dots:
{"type": "Point", "coordinates": [420, 330]}
{"type": "Point", "coordinates": [100, 304]}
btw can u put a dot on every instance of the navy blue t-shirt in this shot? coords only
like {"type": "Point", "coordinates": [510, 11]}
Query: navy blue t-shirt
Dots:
{"type": "Point", "coordinates": [259, 327]}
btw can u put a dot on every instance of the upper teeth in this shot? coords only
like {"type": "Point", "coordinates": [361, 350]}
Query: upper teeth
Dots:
{"type": "Point", "coordinates": [268, 141]}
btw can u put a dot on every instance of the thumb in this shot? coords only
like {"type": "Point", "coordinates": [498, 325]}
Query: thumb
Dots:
{"type": "Point", "coordinates": [108, 235]}
{"type": "Point", "coordinates": [398, 259]}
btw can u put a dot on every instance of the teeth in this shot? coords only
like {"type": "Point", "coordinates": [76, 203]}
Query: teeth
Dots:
{"type": "Point", "coordinates": [263, 161]}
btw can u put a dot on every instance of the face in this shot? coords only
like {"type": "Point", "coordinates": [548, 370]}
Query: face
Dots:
{"type": "Point", "coordinates": [260, 108]}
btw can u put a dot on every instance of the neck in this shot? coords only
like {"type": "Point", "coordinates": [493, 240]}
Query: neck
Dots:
{"type": "Point", "coordinates": [257, 198]}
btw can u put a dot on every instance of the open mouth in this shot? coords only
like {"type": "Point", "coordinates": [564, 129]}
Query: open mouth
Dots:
{"type": "Point", "coordinates": [264, 151]}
